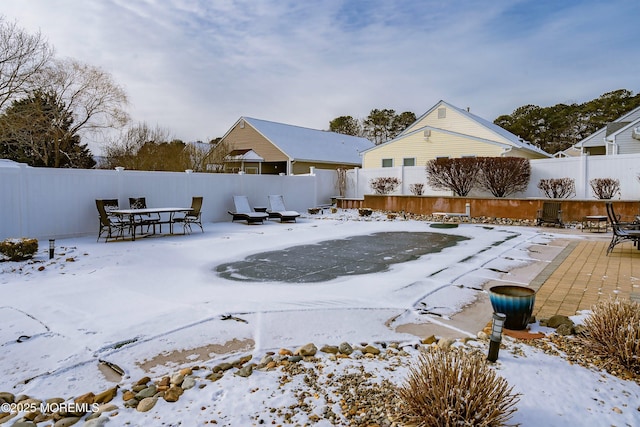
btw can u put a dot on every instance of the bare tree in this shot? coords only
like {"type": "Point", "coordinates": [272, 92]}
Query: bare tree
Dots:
{"type": "Point", "coordinates": [22, 57]}
{"type": "Point", "coordinates": [458, 175]}
{"type": "Point", "coordinates": [89, 94]}
{"type": "Point", "coordinates": [207, 157]}
{"type": "Point", "coordinates": [503, 176]}
{"type": "Point", "coordinates": [124, 150]}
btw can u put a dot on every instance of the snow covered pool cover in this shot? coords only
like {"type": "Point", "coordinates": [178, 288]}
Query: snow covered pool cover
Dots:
{"type": "Point", "coordinates": [327, 260]}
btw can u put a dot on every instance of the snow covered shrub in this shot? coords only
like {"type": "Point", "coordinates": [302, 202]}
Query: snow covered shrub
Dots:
{"type": "Point", "coordinates": [612, 332]}
{"type": "Point", "coordinates": [455, 388]}
{"type": "Point", "coordinates": [384, 184]}
{"type": "Point", "coordinates": [417, 189]}
{"type": "Point", "coordinates": [605, 188]}
{"type": "Point", "coordinates": [18, 249]}
{"type": "Point", "coordinates": [558, 188]}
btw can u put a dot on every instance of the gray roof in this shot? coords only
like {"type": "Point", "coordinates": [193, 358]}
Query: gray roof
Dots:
{"type": "Point", "coordinates": [304, 144]}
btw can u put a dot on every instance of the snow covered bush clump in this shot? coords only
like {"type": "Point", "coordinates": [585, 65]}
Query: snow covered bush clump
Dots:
{"type": "Point", "coordinates": [18, 249]}
{"type": "Point", "coordinates": [455, 388]}
{"type": "Point", "coordinates": [612, 332]}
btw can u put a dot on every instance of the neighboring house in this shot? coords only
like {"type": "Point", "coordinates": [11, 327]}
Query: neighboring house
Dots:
{"type": "Point", "coordinates": [622, 136]}
{"type": "Point", "coordinates": [264, 147]}
{"type": "Point", "coordinates": [448, 131]}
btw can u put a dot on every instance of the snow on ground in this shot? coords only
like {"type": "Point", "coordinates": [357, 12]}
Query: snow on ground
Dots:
{"type": "Point", "coordinates": [153, 306]}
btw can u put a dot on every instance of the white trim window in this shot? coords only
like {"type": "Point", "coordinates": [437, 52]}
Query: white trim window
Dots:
{"type": "Point", "coordinates": [387, 163]}
{"type": "Point", "coordinates": [409, 161]}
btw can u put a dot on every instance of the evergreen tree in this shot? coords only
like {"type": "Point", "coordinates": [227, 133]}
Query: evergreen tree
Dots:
{"type": "Point", "coordinates": [36, 130]}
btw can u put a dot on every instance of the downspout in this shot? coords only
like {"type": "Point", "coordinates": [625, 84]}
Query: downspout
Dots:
{"type": "Point", "coordinates": [505, 151]}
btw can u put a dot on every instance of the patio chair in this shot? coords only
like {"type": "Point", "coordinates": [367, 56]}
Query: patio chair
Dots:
{"type": "Point", "coordinates": [113, 225]}
{"type": "Point", "coordinates": [550, 213]}
{"type": "Point", "coordinates": [622, 231]}
{"type": "Point", "coordinates": [278, 210]}
{"type": "Point", "coordinates": [150, 220]}
{"type": "Point", "coordinates": [194, 216]}
{"type": "Point", "coordinates": [243, 211]}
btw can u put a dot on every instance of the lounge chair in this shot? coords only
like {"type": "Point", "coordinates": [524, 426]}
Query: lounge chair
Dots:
{"type": "Point", "coordinates": [243, 211]}
{"type": "Point", "coordinates": [551, 213]}
{"type": "Point", "coordinates": [622, 231]}
{"type": "Point", "coordinates": [194, 216]}
{"type": "Point", "coordinates": [278, 210]}
{"type": "Point", "coordinates": [113, 225]}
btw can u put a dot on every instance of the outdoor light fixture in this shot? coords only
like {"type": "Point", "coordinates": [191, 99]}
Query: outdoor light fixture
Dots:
{"type": "Point", "coordinates": [496, 336]}
{"type": "Point", "coordinates": [52, 246]}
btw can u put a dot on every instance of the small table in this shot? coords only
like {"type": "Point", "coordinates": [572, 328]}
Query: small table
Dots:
{"type": "Point", "coordinates": [595, 222]}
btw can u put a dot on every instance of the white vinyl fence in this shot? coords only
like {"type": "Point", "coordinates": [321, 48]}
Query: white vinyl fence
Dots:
{"type": "Point", "coordinates": [46, 203]}
{"type": "Point", "coordinates": [624, 168]}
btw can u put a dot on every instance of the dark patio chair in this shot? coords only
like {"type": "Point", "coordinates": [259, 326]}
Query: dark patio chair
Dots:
{"type": "Point", "coordinates": [622, 231]}
{"type": "Point", "coordinates": [142, 220]}
{"type": "Point", "coordinates": [194, 216]}
{"type": "Point", "coordinates": [551, 213]}
{"type": "Point", "coordinates": [243, 211]}
{"type": "Point", "coordinates": [115, 226]}
{"type": "Point", "coordinates": [277, 209]}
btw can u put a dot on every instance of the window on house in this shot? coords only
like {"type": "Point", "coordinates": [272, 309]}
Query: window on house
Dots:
{"type": "Point", "coordinates": [409, 161]}
{"type": "Point", "coordinates": [468, 156]}
{"type": "Point", "coordinates": [442, 113]}
{"type": "Point", "coordinates": [387, 163]}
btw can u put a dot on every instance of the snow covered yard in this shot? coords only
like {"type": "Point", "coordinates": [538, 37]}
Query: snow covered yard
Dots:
{"type": "Point", "coordinates": [101, 314]}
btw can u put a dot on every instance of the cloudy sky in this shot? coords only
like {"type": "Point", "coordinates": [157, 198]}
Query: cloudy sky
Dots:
{"type": "Point", "coordinates": [195, 66]}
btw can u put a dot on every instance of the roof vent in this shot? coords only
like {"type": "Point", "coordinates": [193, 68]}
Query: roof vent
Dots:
{"type": "Point", "coordinates": [427, 133]}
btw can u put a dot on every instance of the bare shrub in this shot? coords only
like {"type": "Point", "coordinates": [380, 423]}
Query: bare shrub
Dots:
{"type": "Point", "coordinates": [384, 184]}
{"type": "Point", "coordinates": [558, 188]}
{"type": "Point", "coordinates": [503, 176]}
{"type": "Point", "coordinates": [458, 175]}
{"type": "Point", "coordinates": [605, 188]}
{"type": "Point", "coordinates": [455, 388]}
{"type": "Point", "coordinates": [341, 181]}
{"type": "Point", "coordinates": [613, 333]}
{"type": "Point", "coordinates": [18, 249]}
{"type": "Point", "coordinates": [417, 189]}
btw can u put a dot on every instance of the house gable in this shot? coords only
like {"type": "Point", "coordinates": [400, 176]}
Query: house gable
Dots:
{"type": "Point", "coordinates": [422, 148]}
{"type": "Point", "coordinates": [447, 131]}
{"type": "Point", "coordinates": [619, 131]}
{"type": "Point", "coordinates": [293, 148]}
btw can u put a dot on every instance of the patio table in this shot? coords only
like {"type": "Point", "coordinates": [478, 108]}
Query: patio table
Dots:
{"type": "Point", "coordinates": [133, 212]}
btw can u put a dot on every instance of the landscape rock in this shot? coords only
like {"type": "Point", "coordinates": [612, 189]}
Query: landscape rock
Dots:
{"type": "Point", "coordinates": [345, 348]}
{"type": "Point", "coordinates": [176, 379]}
{"type": "Point", "coordinates": [173, 394]}
{"type": "Point", "coordinates": [188, 383]}
{"type": "Point", "coordinates": [147, 392]}
{"type": "Point", "coordinates": [306, 350]}
{"type": "Point", "coordinates": [66, 422]}
{"type": "Point", "coordinates": [371, 350]}
{"type": "Point", "coordinates": [97, 422]}
{"type": "Point", "coordinates": [445, 343]}
{"type": "Point", "coordinates": [224, 366]}
{"type": "Point", "coordinates": [245, 371]}
{"type": "Point", "coordinates": [146, 404]}
{"type": "Point", "coordinates": [331, 349]}
{"type": "Point", "coordinates": [557, 320]}
{"type": "Point", "coordinates": [564, 329]}
{"type": "Point", "coordinates": [7, 397]}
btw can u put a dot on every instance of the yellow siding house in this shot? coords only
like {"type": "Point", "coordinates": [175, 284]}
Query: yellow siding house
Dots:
{"type": "Point", "coordinates": [448, 131]}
